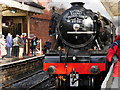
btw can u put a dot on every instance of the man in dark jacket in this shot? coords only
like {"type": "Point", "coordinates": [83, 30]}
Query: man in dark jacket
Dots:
{"type": "Point", "coordinates": [114, 56]}
{"type": "Point", "coordinates": [48, 45]}
{"type": "Point", "coordinates": [21, 46]}
{"type": "Point", "coordinates": [33, 45]}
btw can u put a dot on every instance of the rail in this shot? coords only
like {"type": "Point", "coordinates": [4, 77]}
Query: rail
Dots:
{"type": "Point", "coordinates": [48, 86]}
{"type": "Point", "coordinates": [32, 87]}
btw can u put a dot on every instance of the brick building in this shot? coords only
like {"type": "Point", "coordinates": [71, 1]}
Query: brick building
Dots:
{"type": "Point", "coordinates": [40, 24]}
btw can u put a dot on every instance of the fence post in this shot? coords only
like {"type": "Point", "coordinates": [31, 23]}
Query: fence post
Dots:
{"type": "Point", "coordinates": [40, 47]}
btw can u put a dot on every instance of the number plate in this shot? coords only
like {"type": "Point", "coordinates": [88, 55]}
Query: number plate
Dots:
{"type": "Point", "coordinates": [75, 84]}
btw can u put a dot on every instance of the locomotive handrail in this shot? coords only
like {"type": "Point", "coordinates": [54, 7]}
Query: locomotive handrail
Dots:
{"type": "Point", "coordinates": [88, 32]}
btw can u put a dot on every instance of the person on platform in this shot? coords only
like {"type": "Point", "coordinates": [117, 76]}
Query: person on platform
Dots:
{"type": "Point", "coordinates": [11, 46]}
{"type": "Point", "coordinates": [60, 50]}
{"type": "Point", "coordinates": [114, 56]}
{"type": "Point", "coordinates": [2, 46]}
{"type": "Point", "coordinates": [33, 45]}
{"type": "Point", "coordinates": [16, 46]}
{"type": "Point", "coordinates": [8, 45]}
{"type": "Point", "coordinates": [21, 46]}
{"type": "Point", "coordinates": [24, 39]}
{"type": "Point", "coordinates": [48, 45]}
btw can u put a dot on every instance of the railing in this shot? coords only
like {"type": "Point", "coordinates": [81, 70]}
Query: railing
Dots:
{"type": "Point", "coordinates": [38, 48]}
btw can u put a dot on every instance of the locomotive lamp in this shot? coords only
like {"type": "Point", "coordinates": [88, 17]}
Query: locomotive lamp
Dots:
{"type": "Point", "coordinates": [74, 57]}
{"type": "Point", "coordinates": [94, 70]}
{"type": "Point", "coordinates": [76, 27]}
{"type": "Point", "coordinates": [51, 70]}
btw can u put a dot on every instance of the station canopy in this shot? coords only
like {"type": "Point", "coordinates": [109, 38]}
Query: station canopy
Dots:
{"type": "Point", "coordinates": [31, 7]}
{"type": "Point", "coordinates": [112, 7]}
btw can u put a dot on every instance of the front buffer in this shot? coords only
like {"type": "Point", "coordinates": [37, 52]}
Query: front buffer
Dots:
{"type": "Point", "coordinates": [80, 68]}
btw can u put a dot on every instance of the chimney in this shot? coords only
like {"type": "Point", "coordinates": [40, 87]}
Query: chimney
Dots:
{"type": "Point", "coordinates": [80, 4]}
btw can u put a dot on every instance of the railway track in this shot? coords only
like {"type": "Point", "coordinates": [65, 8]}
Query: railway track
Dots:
{"type": "Point", "coordinates": [35, 85]}
{"type": "Point", "coordinates": [21, 79]}
{"type": "Point", "coordinates": [46, 84]}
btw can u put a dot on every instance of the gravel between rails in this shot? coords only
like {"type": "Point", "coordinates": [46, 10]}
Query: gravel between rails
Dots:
{"type": "Point", "coordinates": [31, 80]}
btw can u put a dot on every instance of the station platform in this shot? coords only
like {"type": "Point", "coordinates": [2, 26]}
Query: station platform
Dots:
{"type": "Point", "coordinates": [16, 59]}
{"type": "Point", "coordinates": [12, 69]}
{"type": "Point", "coordinates": [108, 81]}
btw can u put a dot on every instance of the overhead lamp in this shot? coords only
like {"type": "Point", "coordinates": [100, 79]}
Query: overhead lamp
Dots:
{"type": "Point", "coordinates": [13, 11]}
{"type": "Point", "coordinates": [4, 25]}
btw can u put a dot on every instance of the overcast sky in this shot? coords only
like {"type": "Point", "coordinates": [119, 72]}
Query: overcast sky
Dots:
{"type": "Point", "coordinates": [94, 5]}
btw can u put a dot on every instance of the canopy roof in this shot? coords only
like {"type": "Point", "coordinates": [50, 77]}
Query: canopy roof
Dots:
{"type": "Point", "coordinates": [112, 7]}
{"type": "Point", "coordinates": [30, 7]}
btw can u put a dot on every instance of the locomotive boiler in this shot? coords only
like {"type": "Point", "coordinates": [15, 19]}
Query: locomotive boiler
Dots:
{"type": "Point", "coordinates": [83, 37]}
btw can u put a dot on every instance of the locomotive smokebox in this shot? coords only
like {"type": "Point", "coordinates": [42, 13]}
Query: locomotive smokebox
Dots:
{"type": "Point", "coordinates": [76, 26]}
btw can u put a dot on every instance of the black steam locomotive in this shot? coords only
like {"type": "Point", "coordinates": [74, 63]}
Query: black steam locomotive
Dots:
{"type": "Point", "coordinates": [82, 40]}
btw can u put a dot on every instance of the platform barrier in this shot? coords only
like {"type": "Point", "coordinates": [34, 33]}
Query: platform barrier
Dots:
{"type": "Point", "coordinates": [38, 47]}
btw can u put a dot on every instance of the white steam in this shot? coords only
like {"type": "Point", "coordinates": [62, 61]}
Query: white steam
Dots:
{"type": "Point", "coordinates": [57, 5]}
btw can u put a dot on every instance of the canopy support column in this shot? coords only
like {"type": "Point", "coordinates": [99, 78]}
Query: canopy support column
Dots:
{"type": "Point", "coordinates": [0, 18]}
{"type": "Point", "coordinates": [28, 32]}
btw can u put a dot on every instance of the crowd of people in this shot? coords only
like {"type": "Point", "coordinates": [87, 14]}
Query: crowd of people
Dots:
{"type": "Point", "coordinates": [16, 47]}
{"type": "Point", "coordinates": [16, 44]}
